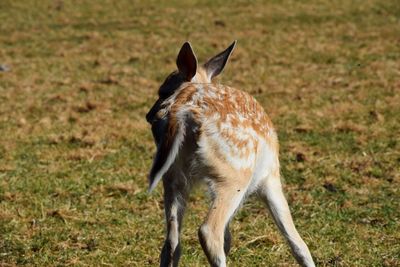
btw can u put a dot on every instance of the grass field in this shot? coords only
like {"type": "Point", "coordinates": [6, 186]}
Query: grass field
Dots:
{"type": "Point", "coordinates": [75, 149]}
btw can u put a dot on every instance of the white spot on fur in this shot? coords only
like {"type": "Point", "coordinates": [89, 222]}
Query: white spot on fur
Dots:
{"type": "Point", "coordinates": [173, 236]}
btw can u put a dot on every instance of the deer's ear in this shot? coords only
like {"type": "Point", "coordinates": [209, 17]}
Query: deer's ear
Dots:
{"type": "Point", "coordinates": [187, 62]}
{"type": "Point", "coordinates": [215, 65]}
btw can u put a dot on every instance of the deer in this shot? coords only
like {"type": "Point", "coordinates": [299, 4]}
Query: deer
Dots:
{"type": "Point", "coordinates": [214, 134]}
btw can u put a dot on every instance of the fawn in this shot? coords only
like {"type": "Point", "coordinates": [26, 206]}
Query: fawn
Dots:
{"type": "Point", "coordinates": [222, 136]}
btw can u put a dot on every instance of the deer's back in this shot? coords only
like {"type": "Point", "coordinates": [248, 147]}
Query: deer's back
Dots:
{"type": "Point", "coordinates": [233, 134]}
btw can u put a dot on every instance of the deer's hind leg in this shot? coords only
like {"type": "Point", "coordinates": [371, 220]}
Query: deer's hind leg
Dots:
{"type": "Point", "coordinates": [214, 234]}
{"type": "Point", "coordinates": [271, 193]}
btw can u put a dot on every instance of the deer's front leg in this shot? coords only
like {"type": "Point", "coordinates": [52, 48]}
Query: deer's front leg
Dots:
{"type": "Point", "coordinates": [175, 195]}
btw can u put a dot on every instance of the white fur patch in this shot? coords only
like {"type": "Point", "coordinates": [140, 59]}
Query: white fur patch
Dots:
{"type": "Point", "coordinates": [173, 236]}
{"type": "Point", "coordinates": [266, 162]}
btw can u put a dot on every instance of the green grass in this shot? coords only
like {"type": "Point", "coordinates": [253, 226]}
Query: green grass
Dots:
{"type": "Point", "coordinates": [75, 148]}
